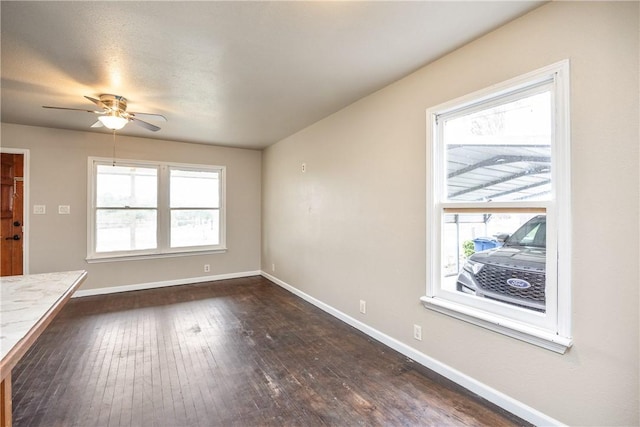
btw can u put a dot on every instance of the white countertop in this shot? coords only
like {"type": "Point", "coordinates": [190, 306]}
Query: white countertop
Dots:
{"type": "Point", "coordinates": [24, 300]}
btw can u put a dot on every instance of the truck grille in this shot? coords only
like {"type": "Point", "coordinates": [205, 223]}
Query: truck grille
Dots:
{"type": "Point", "coordinates": [494, 279]}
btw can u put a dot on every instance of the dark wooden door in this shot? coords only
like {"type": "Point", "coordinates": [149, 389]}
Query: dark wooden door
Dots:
{"type": "Point", "coordinates": [11, 213]}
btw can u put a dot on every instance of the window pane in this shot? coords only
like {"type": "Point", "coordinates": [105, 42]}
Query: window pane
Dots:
{"type": "Point", "coordinates": [501, 153]}
{"type": "Point", "coordinates": [120, 186]}
{"type": "Point", "coordinates": [195, 189]}
{"type": "Point", "coordinates": [195, 227]}
{"type": "Point", "coordinates": [125, 230]}
{"type": "Point", "coordinates": [497, 256]}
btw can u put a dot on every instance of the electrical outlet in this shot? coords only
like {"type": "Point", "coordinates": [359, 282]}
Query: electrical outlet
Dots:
{"type": "Point", "coordinates": [273, 268]}
{"type": "Point", "coordinates": [304, 167]}
{"type": "Point", "coordinates": [207, 268]}
{"type": "Point", "coordinates": [363, 306]}
{"type": "Point", "coordinates": [417, 332]}
{"type": "Point", "coordinates": [64, 209]}
{"type": "Point", "coordinates": [39, 209]}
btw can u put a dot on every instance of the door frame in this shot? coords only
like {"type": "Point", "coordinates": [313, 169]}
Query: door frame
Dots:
{"type": "Point", "coordinates": [25, 203]}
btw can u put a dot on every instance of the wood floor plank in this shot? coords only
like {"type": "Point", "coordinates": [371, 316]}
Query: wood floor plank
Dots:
{"type": "Point", "coordinates": [241, 352]}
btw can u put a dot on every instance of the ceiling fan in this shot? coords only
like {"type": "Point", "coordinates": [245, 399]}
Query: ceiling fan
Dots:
{"type": "Point", "coordinates": [114, 113]}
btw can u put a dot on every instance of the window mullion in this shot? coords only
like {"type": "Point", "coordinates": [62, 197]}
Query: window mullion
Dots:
{"type": "Point", "coordinates": [164, 214]}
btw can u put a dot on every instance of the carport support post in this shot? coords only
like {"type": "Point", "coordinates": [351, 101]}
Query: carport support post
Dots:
{"type": "Point", "coordinates": [457, 242]}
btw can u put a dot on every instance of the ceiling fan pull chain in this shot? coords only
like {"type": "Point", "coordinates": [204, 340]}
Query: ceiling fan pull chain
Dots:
{"type": "Point", "coordinates": [114, 147]}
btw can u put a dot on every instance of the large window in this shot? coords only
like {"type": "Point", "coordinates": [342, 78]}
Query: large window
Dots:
{"type": "Point", "coordinates": [498, 208]}
{"type": "Point", "coordinates": [146, 209]}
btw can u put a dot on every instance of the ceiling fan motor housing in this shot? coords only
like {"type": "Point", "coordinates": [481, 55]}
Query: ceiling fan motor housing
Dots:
{"type": "Point", "coordinates": [114, 102]}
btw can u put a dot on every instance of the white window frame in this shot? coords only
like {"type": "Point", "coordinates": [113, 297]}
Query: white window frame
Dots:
{"type": "Point", "coordinates": [552, 329]}
{"type": "Point", "coordinates": [163, 229]}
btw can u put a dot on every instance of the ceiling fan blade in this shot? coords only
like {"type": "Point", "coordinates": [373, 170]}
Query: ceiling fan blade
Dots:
{"type": "Point", "coordinates": [97, 102]}
{"type": "Point", "coordinates": [145, 125]}
{"type": "Point", "coordinates": [97, 124]}
{"type": "Point", "coordinates": [149, 116]}
{"type": "Point", "coordinates": [74, 109]}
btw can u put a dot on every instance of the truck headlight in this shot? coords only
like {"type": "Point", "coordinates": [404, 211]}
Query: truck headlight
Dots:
{"type": "Point", "coordinates": [473, 266]}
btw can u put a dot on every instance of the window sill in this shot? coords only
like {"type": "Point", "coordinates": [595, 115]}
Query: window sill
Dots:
{"type": "Point", "coordinates": [140, 257]}
{"type": "Point", "coordinates": [531, 335]}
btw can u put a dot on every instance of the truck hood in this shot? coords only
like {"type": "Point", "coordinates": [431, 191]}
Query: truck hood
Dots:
{"type": "Point", "coordinates": [514, 257]}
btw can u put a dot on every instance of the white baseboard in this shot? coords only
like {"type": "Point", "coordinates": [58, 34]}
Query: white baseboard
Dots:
{"type": "Point", "coordinates": [151, 285]}
{"type": "Point", "coordinates": [492, 395]}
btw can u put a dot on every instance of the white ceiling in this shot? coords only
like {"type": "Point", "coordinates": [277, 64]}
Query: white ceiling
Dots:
{"type": "Point", "coordinates": [243, 74]}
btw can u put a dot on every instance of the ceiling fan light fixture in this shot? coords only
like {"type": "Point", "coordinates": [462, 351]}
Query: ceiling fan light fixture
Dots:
{"type": "Point", "coordinates": [113, 121]}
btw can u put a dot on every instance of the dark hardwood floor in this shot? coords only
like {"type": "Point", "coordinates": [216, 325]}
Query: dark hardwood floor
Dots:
{"type": "Point", "coordinates": [238, 352]}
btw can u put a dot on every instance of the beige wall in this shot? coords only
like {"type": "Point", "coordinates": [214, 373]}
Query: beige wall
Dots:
{"type": "Point", "coordinates": [353, 226]}
{"type": "Point", "coordinates": [58, 175]}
